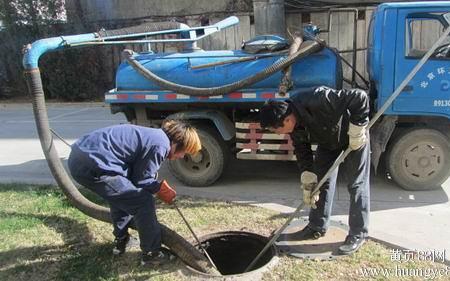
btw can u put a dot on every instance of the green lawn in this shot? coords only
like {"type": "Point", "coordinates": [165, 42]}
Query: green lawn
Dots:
{"type": "Point", "coordinates": [44, 238]}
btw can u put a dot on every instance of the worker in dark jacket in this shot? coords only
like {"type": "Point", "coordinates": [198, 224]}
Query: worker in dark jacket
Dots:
{"type": "Point", "coordinates": [334, 120]}
{"type": "Point", "coordinates": [120, 164]}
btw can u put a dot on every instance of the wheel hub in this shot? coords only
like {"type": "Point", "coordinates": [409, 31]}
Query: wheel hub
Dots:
{"type": "Point", "coordinates": [197, 157]}
{"type": "Point", "coordinates": [423, 160]}
{"type": "Point", "coordinates": [197, 162]}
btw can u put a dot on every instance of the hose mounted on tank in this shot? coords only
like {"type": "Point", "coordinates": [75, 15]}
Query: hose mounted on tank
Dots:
{"type": "Point", "coordinates": [307, 48]}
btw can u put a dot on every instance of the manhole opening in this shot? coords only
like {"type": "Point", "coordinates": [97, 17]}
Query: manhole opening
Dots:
{"type": "Point", "coordinates": [232, 252]}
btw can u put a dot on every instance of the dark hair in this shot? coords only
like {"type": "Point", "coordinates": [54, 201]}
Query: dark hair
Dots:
{"type": "Point", "coordinates": [273, 113]}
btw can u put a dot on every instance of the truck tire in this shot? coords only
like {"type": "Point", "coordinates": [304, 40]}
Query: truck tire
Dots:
{"type": "Point", "coordinates": [206, 167]}
{"type": "Point", "coordinates": [419, 159]}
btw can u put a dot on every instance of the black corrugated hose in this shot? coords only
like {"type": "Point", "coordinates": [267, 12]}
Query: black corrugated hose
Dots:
{"type": "Point", "coordinates": [183, 249]}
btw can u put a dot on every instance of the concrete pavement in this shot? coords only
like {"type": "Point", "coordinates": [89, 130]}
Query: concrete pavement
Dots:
{"type": "Point", "coordinates": [412, 220]}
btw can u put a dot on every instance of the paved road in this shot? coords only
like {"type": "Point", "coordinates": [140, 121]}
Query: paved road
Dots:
{"type": "Point", "coordinates": [413, 220]}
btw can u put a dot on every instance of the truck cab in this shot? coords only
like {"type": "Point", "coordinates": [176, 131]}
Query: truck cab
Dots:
{"type": "Point", "coordinates": [417, 155]}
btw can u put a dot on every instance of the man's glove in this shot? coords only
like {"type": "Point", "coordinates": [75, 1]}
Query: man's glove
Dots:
{"type": "Point", "coordinates": [357, 136]}
{"type": "Point", "coordinates": [308, 182]}
{"type": "Point", "coordinates": [166, 193]}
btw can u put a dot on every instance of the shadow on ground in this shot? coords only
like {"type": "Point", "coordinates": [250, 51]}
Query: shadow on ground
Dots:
{"type": "Point", "coordinates": [79, 257]}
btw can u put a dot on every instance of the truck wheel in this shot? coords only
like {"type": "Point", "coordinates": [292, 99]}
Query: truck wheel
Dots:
{"type": "Point", "coordinates": [419, 159]}
{"type": "Point", "coordinates": [204, 168]}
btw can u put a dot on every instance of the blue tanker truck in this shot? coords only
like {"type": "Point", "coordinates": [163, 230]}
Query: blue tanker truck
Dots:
{"type": "Point", "coordinates": [412, 136]}
{"type": "Point", "coordinates": [221, 91]}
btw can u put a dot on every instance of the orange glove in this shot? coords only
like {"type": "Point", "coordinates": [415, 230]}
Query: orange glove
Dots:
{"type": "Point", "coordinates": [166, 193]}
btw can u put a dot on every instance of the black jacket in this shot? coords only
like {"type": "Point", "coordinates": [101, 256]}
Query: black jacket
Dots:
{"type": "Point", "coordinates": [323, 115]}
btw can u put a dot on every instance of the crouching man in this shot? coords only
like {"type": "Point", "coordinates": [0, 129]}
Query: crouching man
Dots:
{"type": "Point", "coordinates": [120, 164]}
{"type": "Point", "coordinates": [334, 120]}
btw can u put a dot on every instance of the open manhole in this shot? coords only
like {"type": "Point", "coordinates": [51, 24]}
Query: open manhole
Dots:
{"type": "Point", "coordinates": [233, 251]}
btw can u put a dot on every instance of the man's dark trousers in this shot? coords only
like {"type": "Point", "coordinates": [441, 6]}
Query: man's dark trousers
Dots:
{"type": "Point", "coordinates": [129, 205]}
{"type": "Point", "coordinates": [357, 171]}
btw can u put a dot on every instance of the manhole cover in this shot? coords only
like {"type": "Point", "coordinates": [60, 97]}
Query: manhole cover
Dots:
{"type": "Point", "coordinates": [324, 248]}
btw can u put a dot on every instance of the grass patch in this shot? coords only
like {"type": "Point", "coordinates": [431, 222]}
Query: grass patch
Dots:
{"type": "Point", "coordinates": [44, 238]}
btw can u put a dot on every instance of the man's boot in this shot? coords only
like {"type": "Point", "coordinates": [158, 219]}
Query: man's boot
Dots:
{"type": "Point", "coordinates": [121, 244]}
{"type": "Point", "coordinates": [157, 257]}
{"type": "Point", "coordinates": [307, 233]}
{"type": "Point", "coordinates": [351, 244]}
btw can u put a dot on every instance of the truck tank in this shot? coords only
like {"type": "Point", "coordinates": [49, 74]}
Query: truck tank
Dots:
{"type": "Point", "coordinates": [192, 69]}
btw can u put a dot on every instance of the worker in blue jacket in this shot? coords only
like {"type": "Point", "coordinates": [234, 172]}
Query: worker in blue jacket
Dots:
{"type": "Point", "coordinates": [120, 163]}
{"type": "Point", "coordinates": [334, 120]}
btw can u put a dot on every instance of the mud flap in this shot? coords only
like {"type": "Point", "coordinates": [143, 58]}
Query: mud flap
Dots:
{"type": "Point", "coordinates": [380, 134]}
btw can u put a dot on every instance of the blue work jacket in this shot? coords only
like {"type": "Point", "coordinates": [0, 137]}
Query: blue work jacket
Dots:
{"type": "Point", "coordinates": [131, 151]}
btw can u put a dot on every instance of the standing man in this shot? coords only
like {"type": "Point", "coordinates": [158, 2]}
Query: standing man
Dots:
{"type": "Point", "coordinates": [334, 120]}
{"type": "Point", "coordinates": [120, 164]}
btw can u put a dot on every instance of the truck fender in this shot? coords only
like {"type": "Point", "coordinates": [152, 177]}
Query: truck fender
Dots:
{"type": "Point", "coordinates": [223, 124]}
{"type": "Point", "coordinates": [380, 134]}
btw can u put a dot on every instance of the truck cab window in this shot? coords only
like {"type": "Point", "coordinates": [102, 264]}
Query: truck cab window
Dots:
{"type": "Point", "coordinates": [421, 34]}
